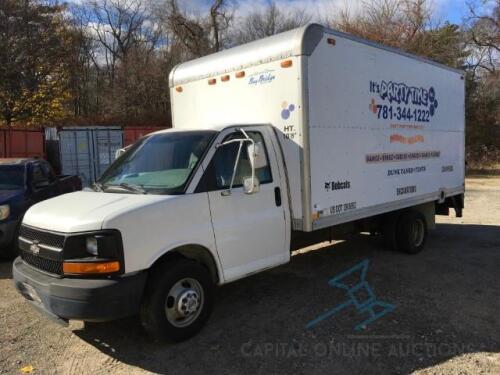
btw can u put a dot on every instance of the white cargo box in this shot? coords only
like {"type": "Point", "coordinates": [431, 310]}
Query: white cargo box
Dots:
{"type": "Point", "coordinates": [365, 129]}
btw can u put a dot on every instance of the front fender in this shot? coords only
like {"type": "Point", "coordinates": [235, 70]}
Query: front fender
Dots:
{"type": "Point", "coordinates": [151, 231]}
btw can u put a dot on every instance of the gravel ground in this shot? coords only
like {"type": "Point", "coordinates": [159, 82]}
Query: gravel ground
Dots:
{"type": "Point", "coordinates": [446, 316]}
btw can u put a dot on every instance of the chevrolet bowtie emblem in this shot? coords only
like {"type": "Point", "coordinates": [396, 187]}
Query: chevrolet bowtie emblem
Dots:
{"type": "Point", "coordinates": [34, 248]}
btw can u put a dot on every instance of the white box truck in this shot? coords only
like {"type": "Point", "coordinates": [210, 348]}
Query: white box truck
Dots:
{"type": "Point", "coordinates": [276, 144]}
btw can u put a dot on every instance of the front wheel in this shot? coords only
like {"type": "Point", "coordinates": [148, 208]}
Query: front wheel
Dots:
{"type": "Point", "coordinates": [12, 250]}
{"type": "Point", "coordinates": [178, 300]}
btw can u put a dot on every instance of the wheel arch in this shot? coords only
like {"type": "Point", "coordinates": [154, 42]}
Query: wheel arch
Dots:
{"type": "Point", "coordinates": [196, 252]}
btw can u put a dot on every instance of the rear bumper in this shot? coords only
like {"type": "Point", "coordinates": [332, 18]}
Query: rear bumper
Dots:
{"type": "Point", "coordinates": [93, 300]}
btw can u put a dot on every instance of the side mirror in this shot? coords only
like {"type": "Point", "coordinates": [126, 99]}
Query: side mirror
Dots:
{"type": "Point", "coordinates": [256, 155]}
{"type": "Point", "coordinates": [251, 185]}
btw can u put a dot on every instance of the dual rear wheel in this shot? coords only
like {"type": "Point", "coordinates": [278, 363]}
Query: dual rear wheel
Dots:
{"type": "Point", "coordinates": [406, 231]}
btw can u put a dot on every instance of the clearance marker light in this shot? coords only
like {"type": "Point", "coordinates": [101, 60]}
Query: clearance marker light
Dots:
{"type": "Point", "coordinates": [240, 74]}
{"type": "Point", "coordinates": [178, 89]}
{"type": "Point", "coordinates": [286, 63]}
{"type": "Point", "coordinates": [212, 81]}
{"type": "Point", "coordinates": [225, 78]}
{"type": "Point", "coordinates": [331, 41]}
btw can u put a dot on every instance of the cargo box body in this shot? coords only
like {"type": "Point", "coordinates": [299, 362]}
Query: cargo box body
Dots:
{"type": "Point", "coordinates": [364, 129]}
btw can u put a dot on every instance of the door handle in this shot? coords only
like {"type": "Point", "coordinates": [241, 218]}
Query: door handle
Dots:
{"type": "Point", "coordinates": [277, 196]}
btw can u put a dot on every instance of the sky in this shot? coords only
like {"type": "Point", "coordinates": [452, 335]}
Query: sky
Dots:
{"type": "Point", "coordinates": [445, 10]}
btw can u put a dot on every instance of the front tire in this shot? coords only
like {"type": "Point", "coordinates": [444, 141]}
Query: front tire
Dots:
{"type": "Point", "coordinates": [178, 300]}
{"type": "Point", "coordinates": [12, 250]}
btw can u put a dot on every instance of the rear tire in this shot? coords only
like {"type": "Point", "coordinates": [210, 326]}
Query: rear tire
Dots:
{"type": "Point", "coordinates": [178, 300]}
{"type": "Point", "coordinates": [405, 231]}
{"type": "Point", "coordinates": [411, 232]}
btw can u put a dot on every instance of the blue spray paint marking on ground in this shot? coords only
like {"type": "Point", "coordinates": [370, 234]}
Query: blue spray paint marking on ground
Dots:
{"type": "Point", "coordinates": [360, 295]}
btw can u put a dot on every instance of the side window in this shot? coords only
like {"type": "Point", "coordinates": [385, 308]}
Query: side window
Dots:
{"type": "Point", "coordinates": [39, 177]}
{"type": "Point", "coordinates": [225, 157]}
{"type": "Point", "coordinates": [47, 170]}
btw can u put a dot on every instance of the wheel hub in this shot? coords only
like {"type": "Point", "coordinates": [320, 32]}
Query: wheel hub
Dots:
{"type": "Point", "coordinates": [188, 302]}
{"type": "Point", "coordinates": [184, 302]}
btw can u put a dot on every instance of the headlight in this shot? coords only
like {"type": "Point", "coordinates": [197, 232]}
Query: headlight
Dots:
{"type": "Point", "coordinates": [96, 252]}
{"type": "Point", "coordinates": [92, 245]}
{"type": "Point", "coordinates": [4, 212]}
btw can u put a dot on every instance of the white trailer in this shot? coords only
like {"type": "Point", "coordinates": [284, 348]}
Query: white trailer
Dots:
{"type": "Point", "coordinates": [276, 144]}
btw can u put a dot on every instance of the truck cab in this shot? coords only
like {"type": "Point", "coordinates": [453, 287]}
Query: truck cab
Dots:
{"type": "Point", "coordinates": [24, 182]}
{"type": "Point", "coordinates": [183, 209]}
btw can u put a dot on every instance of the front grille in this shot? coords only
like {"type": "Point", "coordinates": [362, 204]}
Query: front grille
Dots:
{"type": "Point", "coordinates": [45, 259]}
{"type": "Point", "coordinates": [42, 237]}
{"type": "Point", "coordinates": [44, 264]}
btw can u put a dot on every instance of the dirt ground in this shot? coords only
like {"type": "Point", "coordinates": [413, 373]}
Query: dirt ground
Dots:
{"type": "Point", "coordinates": [445, 317]}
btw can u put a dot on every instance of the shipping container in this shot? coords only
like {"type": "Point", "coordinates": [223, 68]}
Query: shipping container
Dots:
{"type": "Point", "coordinates": [21, 143]}
{"type": "Point", "coordinates": [88, 151]}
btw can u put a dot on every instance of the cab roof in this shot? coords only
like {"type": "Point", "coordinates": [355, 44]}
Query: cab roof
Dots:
{"type": "Point", "coordinates": [207, 127]}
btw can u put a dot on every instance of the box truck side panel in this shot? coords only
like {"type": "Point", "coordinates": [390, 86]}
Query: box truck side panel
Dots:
{"type": "Point", "coordinates": [386, 130]}
{"type": "Point", "coordinates": [266, 94]}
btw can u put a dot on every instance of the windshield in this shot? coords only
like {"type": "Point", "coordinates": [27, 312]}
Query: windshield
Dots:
{"type": "Point", "coordinates": [159, 164]}
{"type": "Point", "coordinates": [11, 177]}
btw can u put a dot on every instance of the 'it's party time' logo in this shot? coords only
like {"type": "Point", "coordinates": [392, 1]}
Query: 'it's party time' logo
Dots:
{"type": "Point", "coordinates": [402, 94]}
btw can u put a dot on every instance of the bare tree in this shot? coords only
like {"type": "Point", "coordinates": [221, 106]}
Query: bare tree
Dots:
{"type": "Point", "coordinates": [220, 21]}
{"type": "Point", "coordinates": [405, 24]}
{"type": "Point", "coordinates": [203, 34]}
{"type": "Point", "coordinates": [484, 37]}
{"type": "Point", "coordinates": [269, 21]}
{"type": "Point", "coordinates": [393, 22]}
{"type": "Point", "coordinates": [120, 26]}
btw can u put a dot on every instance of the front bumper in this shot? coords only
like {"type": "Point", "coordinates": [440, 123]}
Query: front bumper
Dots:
{"type": "Point", "coordinates": [94, 300]}
{"type": "Point", "coordinates": [7, 232]}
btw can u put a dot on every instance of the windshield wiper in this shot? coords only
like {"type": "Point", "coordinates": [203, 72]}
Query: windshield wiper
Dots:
{"type": "Point", "coordinates": [97, 186]}
{"type": "Point", "coordinates": [135, 188]}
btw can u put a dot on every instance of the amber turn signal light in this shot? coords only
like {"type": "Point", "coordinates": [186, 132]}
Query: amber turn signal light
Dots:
{"type": "Point", "coordinates": [82, 268]}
